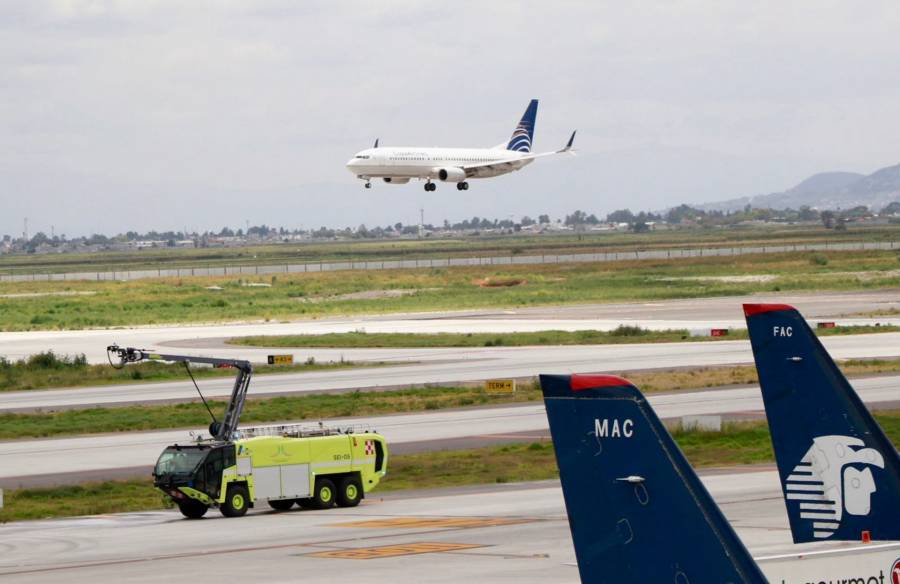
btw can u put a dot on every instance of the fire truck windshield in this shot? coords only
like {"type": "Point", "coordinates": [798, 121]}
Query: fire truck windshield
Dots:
{"type": "Point", "coordinates": [179, 460]}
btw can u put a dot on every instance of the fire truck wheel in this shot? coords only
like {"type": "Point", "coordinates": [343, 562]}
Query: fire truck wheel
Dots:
{"type": "Point", "coordinates": [281, 504]}
{"type": "Point", "coordinates": [349, 492]}
{"type": "Point", "coordinates": [237, 501]}
{"type": "Point", "coordinates": [325, 494]}
{"type": "Point", "coordinates": [193, 509]}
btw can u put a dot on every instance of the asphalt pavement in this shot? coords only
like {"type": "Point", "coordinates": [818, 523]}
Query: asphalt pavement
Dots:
{"type": "Point", "coordinates": [75, 459]}
{"type": "Point", "coordinates": [515, 533]}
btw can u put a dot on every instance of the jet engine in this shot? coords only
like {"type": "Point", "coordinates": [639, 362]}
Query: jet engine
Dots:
{"type": "Point", "coordinates": [396, 180]}
{"type": "Point", "coordinates": [452, 174]}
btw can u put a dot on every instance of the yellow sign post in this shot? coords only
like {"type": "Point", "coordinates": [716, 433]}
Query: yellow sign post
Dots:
{"type": "Point", "coordinates": [500, 386]}
{"type": "Point", "coordinates": [281, 359]}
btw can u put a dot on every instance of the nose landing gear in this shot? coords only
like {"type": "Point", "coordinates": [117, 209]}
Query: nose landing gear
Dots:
{"type": "Point", "coordinates": [368, 185]}
{"type": "Point", "coordinates": [462, 186]}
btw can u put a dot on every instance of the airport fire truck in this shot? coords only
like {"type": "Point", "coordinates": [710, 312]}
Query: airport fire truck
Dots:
{"type": "Point", "coordinates": [235, 468]}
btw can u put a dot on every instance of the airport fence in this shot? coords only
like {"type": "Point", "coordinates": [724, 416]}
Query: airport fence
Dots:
{"type": "Point", "coordinates": [313, 267]}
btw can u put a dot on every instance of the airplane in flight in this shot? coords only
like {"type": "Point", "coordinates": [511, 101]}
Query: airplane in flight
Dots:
{"type": "Point", "coordinates": [639, 513]}
{"type": "Point", "coordinates": [839, 472]}
{"type": "Point", "coordinates": [397, 165]}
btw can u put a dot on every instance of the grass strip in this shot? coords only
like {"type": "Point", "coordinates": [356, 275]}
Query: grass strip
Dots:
{"type": "Point", "coordinates": [484, 245]}
{"type": "Point", "coordinates": [303, 407]}
{"type": "Point", "coordinates": [323, 406]}
{"type": "Point", "coordinates": [737, 444]}
{"type": "Point", "coordinates": [49, 370]}
{"type": "Point", "coordinates": [621, 335]}
{"type": "Point", "coordinates": [91, 304]}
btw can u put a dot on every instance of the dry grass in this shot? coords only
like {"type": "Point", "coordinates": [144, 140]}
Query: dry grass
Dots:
{"type": "Point", "coordinates": [191, 300]}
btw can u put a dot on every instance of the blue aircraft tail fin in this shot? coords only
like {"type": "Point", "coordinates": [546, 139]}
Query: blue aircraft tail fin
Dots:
{"type": "Point", "coordinates": [637, 510]}
{"type": "Point", "coordinates": [839, 472]}
{"type": "Point", "coordinates": [523, 136]}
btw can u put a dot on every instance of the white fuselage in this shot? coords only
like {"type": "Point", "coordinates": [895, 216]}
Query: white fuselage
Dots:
{"type": "Point", "coordinates": [426, 163]}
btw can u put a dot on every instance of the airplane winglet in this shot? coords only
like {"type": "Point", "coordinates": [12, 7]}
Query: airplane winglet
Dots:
{"type": "Point", "coordinates": [568, 147]}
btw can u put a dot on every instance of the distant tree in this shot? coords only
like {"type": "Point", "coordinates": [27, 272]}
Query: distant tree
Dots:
{"type": "Point", "coordinates": [259, 230]}
{"type": "Point", "coordinates": [807, 214]}
{"type": "Point", "coordinates": [526, 221]}
{"type": "Point", "coordinates": [620, 216]}
{"type": "Point", "coordinates": [97, 239]}
{"type": "Point", "coordinates": [544, 219]}
{"type": "Point", "coordinates": [891, 209]}
{"type": "Point", "coordinates": [857, 212]}
{"type": "Point", "coordinates": [226, 232]}
{"type": "Point", "coordinates": [577, 218]}
{"type": "Point", "coordinates": [682, 212]}
{"type": "Point", "coordinates": [827, 218]}
{"type": "Point", "coordinates": [639, 227]}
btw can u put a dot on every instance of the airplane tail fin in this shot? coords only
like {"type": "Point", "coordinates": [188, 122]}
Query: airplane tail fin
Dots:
{"type": "Point", "coordinates": [637, 510]}
{"type": "Point", "coordinates": [523, 136]}
{"type": "Point", "coordinates": [839, 471]}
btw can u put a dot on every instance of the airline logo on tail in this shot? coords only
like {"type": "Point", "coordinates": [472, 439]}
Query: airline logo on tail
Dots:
{"type": "Point", "coordinates": [833, 477]}
{"type": "Point", "coordinates": [521, 138]}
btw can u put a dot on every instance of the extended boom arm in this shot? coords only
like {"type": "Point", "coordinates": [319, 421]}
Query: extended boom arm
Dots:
{"type": "Point", "coordinates": [219, 431]}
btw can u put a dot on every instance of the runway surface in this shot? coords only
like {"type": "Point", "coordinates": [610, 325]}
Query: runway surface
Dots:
{"type": "Point", "coordinates": [496, 534]}
{"type": "Point", "coordinates": [678, 314]}
{"type": "Point", "coordinates": [437, 366]}
{"type": "Point", "coordinates": [27, 462]}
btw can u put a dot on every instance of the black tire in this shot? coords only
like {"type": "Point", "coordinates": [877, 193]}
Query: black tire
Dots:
{"type": "Point", "coordinates": [349, 492]}
{"type": "Point", "coordinates": [193, 509]}
{"type": "Point", "coordinates": [237, 501]}
{"type": "Point", "coordinates": [324, 495]}
{"type": "Point", "coordinates": [281, 504]}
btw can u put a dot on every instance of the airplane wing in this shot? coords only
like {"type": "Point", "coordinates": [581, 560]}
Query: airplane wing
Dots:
{"type": "Point", "coordinates": [513, 163]}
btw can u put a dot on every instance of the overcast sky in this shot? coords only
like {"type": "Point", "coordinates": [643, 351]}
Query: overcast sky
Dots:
{"type": "Point", "coordinates": [142, 115]}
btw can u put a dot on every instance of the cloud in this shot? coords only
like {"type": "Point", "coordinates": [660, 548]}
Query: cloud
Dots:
{"type": "Point", "coordinates": [134, 115]}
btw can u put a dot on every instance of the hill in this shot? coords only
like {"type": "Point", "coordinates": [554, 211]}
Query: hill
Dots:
{"type": "Point", "coordinates": [827, 190]}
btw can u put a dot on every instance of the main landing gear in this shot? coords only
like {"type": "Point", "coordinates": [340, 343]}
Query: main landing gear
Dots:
{"type": "Point", "coordinates": [430, 186]}
{"type": "Point", "coordinates": [368, 185]}
{"type": "Point", "coordinates": [462, 186]}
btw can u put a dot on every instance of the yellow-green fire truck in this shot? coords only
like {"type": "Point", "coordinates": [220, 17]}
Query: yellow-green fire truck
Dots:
{"type": "Point", "coordinates": [314, 467]}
